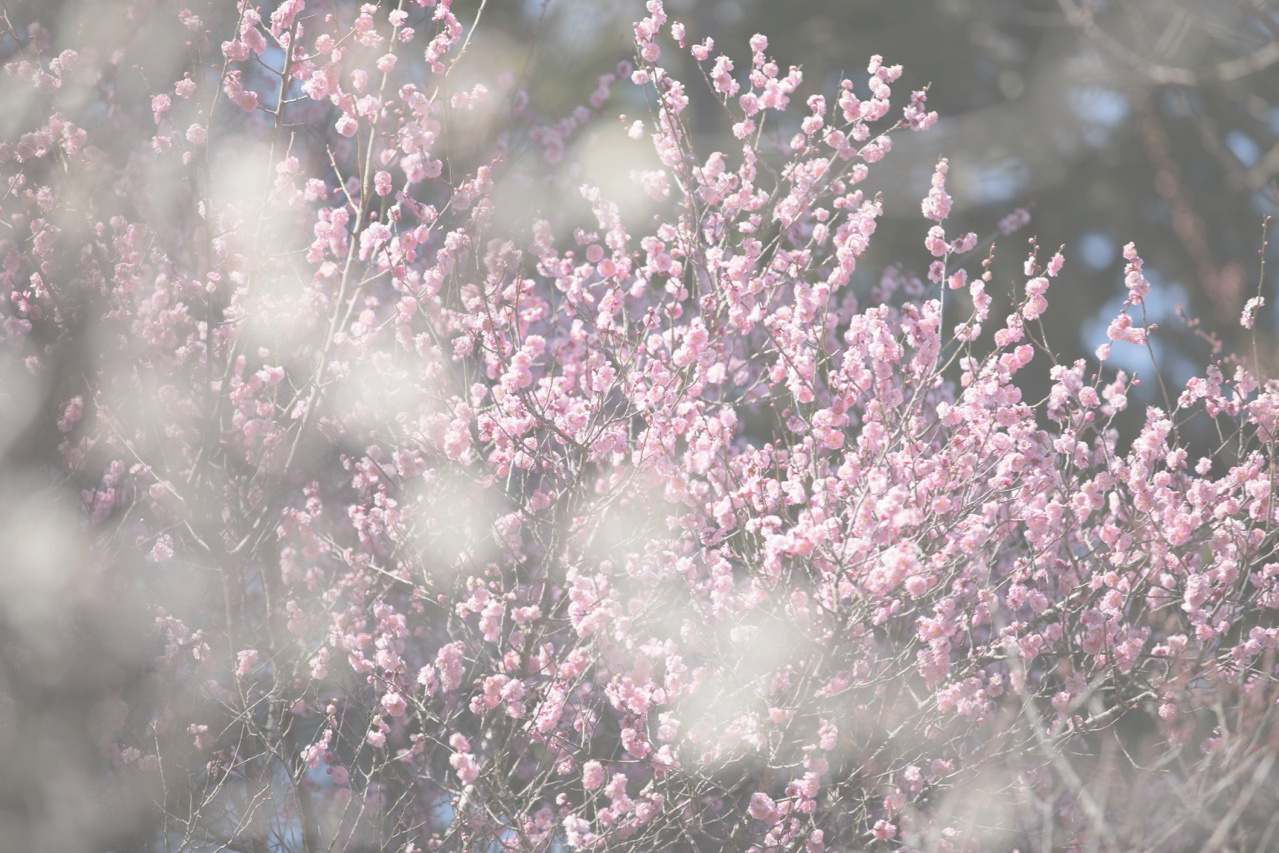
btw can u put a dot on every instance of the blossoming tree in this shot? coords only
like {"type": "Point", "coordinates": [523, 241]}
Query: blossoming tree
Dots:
{"type": "Point", "coordinates": [364, 504]}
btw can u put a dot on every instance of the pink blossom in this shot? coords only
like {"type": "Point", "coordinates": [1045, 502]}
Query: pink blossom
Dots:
{"type": "Point", "coordinates": [1014, 222]}
{"type": "Point", "coordinates": [1138, 287]}
{"type": "Point", "coordinates": [71, 414]}
{"type": "Point", "coordinates": [763, 808]}
{"type": "Point", "coordinates": [592, 775]}
{"type": "Point", "coordinates": [937, 205]}
{"type": "Point", "coordinates": [468, 770]}
{"type": "Point", "coordinates": [1122, 329]}
{"type": "Point", "coordinates": [394, 704]}
{"type": "Point", "coordinates": [245, 662]}
{"type": "Point", "coordinates": [162, 551]}
{"type": "Point", "coordinates": [1036, 304]}
{"type": "Point", "coordinates": [1250, 308]}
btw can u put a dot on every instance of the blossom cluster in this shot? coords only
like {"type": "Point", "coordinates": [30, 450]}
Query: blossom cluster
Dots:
{"type": "Point", "coordinates": [461, 520]}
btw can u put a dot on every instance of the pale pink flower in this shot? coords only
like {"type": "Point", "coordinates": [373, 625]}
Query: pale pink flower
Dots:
{"type": "Point", "coordinates": [592, 775]}
{"type": "Point", "coordinates": [245, 662]}
{"type": "Point", "coordinates": [763, 808]}
{"type": "Point", "coordinates": [394, 704]}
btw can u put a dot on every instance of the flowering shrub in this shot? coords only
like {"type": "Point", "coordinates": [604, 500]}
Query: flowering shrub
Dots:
{"type": "Point", "coordinates": [418, 520]}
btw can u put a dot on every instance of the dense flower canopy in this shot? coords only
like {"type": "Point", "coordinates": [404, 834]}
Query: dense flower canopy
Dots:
{"type": "Point", "coordinates": [438, 490]}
